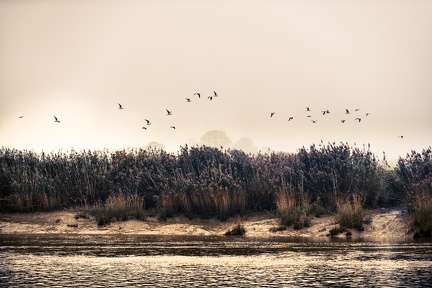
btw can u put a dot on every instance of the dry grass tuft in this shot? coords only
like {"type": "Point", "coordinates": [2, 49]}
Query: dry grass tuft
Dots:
{"type": "Point", "coordinates": [350, 213]}
{"type": "Point", "coordinates": [118, 207]}
{"type": "Point", "coordinates": [292, 210]}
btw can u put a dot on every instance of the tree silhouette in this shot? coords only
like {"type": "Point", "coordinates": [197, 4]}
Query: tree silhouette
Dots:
{"type": "Point", "coordinates": [216, 138]}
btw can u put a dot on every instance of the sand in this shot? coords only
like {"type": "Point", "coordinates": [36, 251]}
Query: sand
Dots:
{"type": "Point", "coordinates": [382, 224]}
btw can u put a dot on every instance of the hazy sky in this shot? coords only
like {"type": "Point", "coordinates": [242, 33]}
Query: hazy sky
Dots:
{"type": "Point", "coordinates": [78, 59]}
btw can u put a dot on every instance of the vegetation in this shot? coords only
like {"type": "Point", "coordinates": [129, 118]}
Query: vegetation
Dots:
{"type": "Point", "coordinates": [350, 213]}
{"type": "Point", "coordinates": [413, 180]}
{"type": "Point", "coordinates": [292, 210]}
{"type": "Point", "coordinates": [209, 182]}
{"type": "Point", "coordinates": [237, 230]}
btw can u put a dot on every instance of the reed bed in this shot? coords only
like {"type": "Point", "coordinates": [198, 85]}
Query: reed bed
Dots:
{"type": "Point", "coordinates": [205, 181]}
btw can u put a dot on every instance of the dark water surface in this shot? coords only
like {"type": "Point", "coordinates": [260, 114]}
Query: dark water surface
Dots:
{"type": "Point", "coordinates": [163, 261]}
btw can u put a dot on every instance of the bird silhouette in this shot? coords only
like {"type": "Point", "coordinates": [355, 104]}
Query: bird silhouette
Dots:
{"type": "Point", "coordinates": [342, 121]}
{"type": "Point", "coordinates": [358, 119]}
{"type": "Point", "coordinates": [271, 114]}
{"type": "Point", "coordinates": [307, 109]}
{"type": "Point", "coordinates": [199, 95]}
{"type": "Point", "coordinates": [308, 116]}
{"type": "Point", "coordinates": [290, 118]}
{"type": "Point", "coordinates": [367, 114]}
{"type": "Point", "coordinates": [400, 136]}
{"type": "Point", "coordinates": [347, 111]}
{"type": "Point", "coordinates": [188, 99]}
{"type": "Point", "coordinates": [168, 112]}
{"type": "Point", "coordinates": [357, 110]}
{"type": "Point", "coordinates": [215, 94]}
{"type": "Point", "coordinates": [314, 121]}
{"type": "Point", "coordinates": [145, 128]}
{"type": "Point", "coordinates": [173, 127]}
{"type": "Point", "coordinates": [56, 120]}
{"type": "Point", "coordinates": [120, 106]}
{"type": "Point", "coordinates": [210, 97]}
{"type": "Point", "coordinates": [20, 117]}
{"type": "Point", "coordinates": [148, 122]}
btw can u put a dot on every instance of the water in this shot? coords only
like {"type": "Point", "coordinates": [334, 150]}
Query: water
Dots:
{"type": "Point", "coordinates": [162, 261]}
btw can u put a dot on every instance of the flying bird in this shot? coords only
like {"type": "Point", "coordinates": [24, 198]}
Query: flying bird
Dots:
{"type": "Point", "coordinates": [308, 116]}
{"type": "Point", "coordinates": [347, 111]}
{"type": "Point", "coordinates": [20, 117]}
{"type": "Point", "coordinates": [314, 121]}
{"type": "Point", "coordinates": [168, 112]}
{"type": "Point", "coordinates": [210, 97]}
{"type": "Point", "coordinates": [271, 114]}
{"type": "Point", "coordinates": [400, 136]}
{"type": "Point", "coordinates": [199, 95]}
{"type": "Point", "coordinates": [56, 120]}
{"type": "Point", "coordinates": [290, 118]}
{"type": "Point", "coordinates": [342, 121]}
{"type": "Point", "coordinates": [145, 128]}
{"type": "Point", "coordinates": [358, 119]}
{"type": "Point", "coordinates": [148, 122]}
{"type": "Point", "coordinates": [367, 114]}
{"type": "Point", "coordinates": [120, 106]}
{"type": "Point", "coordinates": [357, 109]}
{"type": "Point", "coordinates": [173, 127]}
{"type": "Point", "coordinates": [307, 109]}
{"type": "Point", "coordinates": [188, 99]}
{"type": "Point", "coordinates": [215, 94]}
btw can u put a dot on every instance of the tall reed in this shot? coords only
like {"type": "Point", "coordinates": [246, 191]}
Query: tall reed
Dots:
{"type": "Point", "coordinates": [350, 212]}
{"type": "Point", "coordinates": [118, 207]}
{"type": "Point", "coordinates": [422, 214]}
{"type": "Point", "coordinates": [293, 210]}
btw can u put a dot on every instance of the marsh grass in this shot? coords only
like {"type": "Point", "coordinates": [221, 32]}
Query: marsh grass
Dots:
{"type": "Point", "coordinates": [293, 210]}
{"type": "Point", "coordinates": [118, 207]}
{"type": "Point", "coordinates": [422, 214]}
{"type": "Point", "coordinates": [350, 212]}
{"type": "Point", "coordinates": [199, 181]}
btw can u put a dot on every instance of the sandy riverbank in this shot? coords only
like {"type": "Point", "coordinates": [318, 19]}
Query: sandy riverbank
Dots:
{"type": "Point", "coordinates": [383, 224]}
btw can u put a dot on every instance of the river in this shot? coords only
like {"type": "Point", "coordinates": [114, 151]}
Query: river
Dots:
{"type": "Point", "coordinates": [163, 261]}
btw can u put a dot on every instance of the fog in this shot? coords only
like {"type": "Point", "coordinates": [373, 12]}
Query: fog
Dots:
{"type": "Point", "coordinates": [77, 60]}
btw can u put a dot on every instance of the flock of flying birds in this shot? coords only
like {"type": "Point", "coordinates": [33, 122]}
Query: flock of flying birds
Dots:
{"type": "Point", "coordinates": [148, 122]}
{"type": "Point", "coordinates": [215, 94]}
{"type": "Point", "coordinates": [324, 112]}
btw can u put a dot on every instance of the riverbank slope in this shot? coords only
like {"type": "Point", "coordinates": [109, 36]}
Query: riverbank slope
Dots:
{"type": "Point", "coordinates": [380, 224]}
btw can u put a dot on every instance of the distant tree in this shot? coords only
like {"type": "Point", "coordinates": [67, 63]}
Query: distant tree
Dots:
{"type": "Point", "coordinates": [156, 145]}
{"type": "Point", "coordinates": [246, 145]}
{"type": "Point", "coordinates": [216, 138]}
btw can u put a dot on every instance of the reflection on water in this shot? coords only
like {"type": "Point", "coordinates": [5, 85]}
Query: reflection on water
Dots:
{"type": "Point", "coordinates": [161, 261]}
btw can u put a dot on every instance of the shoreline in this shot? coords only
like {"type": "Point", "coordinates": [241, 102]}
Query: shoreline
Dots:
{"type": "Point", "coordinates": [382, 224]}
{"type": "Point", "coordinates": [392, 223]}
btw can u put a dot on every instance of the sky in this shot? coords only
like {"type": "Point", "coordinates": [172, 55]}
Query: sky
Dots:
{"type": "Point", "coordinates": [77, 60]}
